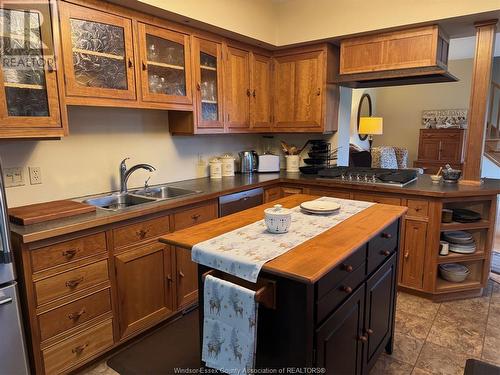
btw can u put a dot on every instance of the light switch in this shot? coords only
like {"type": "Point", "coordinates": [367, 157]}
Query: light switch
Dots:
{"type": "Point", "coordinates": [13, 177]}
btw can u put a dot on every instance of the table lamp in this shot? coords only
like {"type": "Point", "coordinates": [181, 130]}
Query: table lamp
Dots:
{"type": "Point", "coordinates": [371, 126]}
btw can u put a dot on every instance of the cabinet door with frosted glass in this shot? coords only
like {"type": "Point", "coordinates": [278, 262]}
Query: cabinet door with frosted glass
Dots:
{"type": "Point", "coordinates": [28, 82]}
{"type": "Point", "coordinates": [98, 53]}
{"type": "Point", "coordinates": [208, 73]}
{"type": "Point", "coordinates": [165, 65]}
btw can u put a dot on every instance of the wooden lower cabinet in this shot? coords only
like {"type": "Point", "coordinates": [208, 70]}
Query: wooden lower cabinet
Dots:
{"type": "Point", "coordinates": [377, 198]}
{"type": "Point", "coordinates": [144, 287]}
{"type": "Point", "coordinates": [413, 253]}
{"type": "Point", "coordinates": [272, 194]}
{"type": "Point", "coordinates": [325, 192]}
{"type": "Point", "coordinates": [287, 191]}
{"type": "Point", "coordinates": [187, 278]}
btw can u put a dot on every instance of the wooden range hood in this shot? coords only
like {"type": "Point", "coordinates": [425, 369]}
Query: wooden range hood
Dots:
{"type": "Point", "coordinates": [407, 57]}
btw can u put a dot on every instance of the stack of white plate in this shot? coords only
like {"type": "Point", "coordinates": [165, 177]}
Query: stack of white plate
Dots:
{"type": "Point", "coordinates": [454, 272]}
{"type": "Point", "coordinates": [460, 241]}
{"type": "Point", "coordinates": [319, 207]}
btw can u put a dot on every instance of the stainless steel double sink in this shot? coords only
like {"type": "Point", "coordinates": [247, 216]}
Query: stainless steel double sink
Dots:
{"type": "Point", "coordinates": [120, 201]}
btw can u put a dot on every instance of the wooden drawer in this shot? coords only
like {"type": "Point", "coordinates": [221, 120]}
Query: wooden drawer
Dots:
{"type": "Point", "coordinates": [68, 251]}
{"type": "Point", "coordinates": [70, 352]}
{"type": "Point", "coordinates": [272, 194]}
{"type": "Point", "coordinates": [144, 230]}
{"type": "Point", "coordinates": [377, 199]}
{"type": "Point", "coordinates": [330, 193]}
{"type": "Point", "coordinates": [195, 215]}
{"type": "Point", "coordinates": [340, 272]}
{"type": "Point", "coordinates": [341, 291]}
{"type": "Point", "coordinates": [417, 207]}
{"type": "Point", "coordinates": [73, 314]}
{"type": "Point", "coordinates": [287, 191]}
{"type": "Point", "coordinates": [67, 283]}
{"type": "Point", "coordinates": [382, 246]}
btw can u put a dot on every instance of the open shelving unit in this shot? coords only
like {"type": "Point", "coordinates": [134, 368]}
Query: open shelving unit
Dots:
{"type": "Point", "coordinates": [477, 262]}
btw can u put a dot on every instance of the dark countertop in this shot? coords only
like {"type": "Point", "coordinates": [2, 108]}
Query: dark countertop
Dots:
{"type": "Point", "coordinates": [212, 189]}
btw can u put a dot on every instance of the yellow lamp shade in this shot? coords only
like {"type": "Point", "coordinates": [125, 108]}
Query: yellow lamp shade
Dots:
{"type": "Point", "coordinates": [371, 125]}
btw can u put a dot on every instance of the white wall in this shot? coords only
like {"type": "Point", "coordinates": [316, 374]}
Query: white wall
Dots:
{"type": "Point", "coordinates": [86, 162]}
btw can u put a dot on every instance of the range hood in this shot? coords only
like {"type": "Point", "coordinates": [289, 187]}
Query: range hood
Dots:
{"type": "Point", "coordinates": [400, 77]}
{"type": "Point", "coordinates": [404, 57]}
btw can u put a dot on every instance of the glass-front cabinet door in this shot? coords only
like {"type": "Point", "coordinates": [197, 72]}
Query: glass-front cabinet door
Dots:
{"type": "Point", "coordinates": [28, 82]}
{"type": "Point", "coordinates": [165, 65]}
{"type": "Point", "coordinates": [208, 70]}
{"type": "Point", "coordinates": [98, 53]}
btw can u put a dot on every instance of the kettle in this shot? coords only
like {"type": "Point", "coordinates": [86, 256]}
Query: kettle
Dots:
{"type": "Point", "coordinates": [249, 161]}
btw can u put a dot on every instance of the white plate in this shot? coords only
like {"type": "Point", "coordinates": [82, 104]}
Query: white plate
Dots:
{"type": "Point", "coordinates": [319, 207]}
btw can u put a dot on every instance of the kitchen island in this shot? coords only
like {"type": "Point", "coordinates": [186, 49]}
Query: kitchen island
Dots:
{"type": "Point", "coordinates": [332, 298]}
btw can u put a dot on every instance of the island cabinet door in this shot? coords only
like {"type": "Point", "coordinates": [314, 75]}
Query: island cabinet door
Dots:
{"type": "Point", "coordinates": [413, 257]}
{"type": "Point", "coordinates": [339, 342]}
{"type": "Point", "coordinates": [379, 316]}
{"type": "Point", "coordinates": [144, 284]}
{"type": "Point", "coordinates": [187, 278]}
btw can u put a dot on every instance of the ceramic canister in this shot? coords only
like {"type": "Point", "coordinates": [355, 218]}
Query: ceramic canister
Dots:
{"type": "Point", "coordinates": [278, 219]}
{"type": "Point", "coordinates": [292, 163]}
{"type": "Point", "coordinates": [215, 168]}
{"type": "Point", "coordinates": [227, 165]}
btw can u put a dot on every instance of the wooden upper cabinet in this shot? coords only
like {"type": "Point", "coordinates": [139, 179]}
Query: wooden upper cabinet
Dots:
{"type": "Point", "coordinates": [28, 93]}
{"type": "Point", "coordinates": [165, 65]}
{"type": "Point", "coordinates": [299, 83]}
{"type": "Point", "coordinates": [237, 89]}
{"type": "Point", "coordinates": [412, 48]}
{"type": "Point", "coordinates": [261, 95]}
{"type": "Point", "coordinates": [98, 53]}
{"type": "Point", "coordinates": [208, 71]}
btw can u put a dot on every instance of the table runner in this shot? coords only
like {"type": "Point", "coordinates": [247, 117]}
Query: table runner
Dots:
{"type": "Point", "coordinates": [243, 251]}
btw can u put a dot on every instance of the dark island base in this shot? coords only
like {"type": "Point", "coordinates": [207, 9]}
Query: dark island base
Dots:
{"type": "Point", "coordinates": [342, 323]}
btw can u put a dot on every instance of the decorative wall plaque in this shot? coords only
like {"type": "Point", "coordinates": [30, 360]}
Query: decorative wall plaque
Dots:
{"type": "Point", "coordinates": [444, 118]}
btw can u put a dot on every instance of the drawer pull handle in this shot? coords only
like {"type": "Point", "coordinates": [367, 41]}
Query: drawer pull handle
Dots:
{"type": "Point", "coordinates": [142, 233]}
{"type": "Point", "coordinates": [363, 339]}
{"type": "Point", "coordinates": [386, 235]}
{"type": "Point", "coordinates": [195, 217]}
{"type": "Point", "coordinates": [169, 278]}
{"type": "Point", "coordinates": [181, 274]}
{"type": "Point", "coordinates": [70, 253]}
{"type": "Point", "coordinates": [74, 283]}
{"type": "Point", "coordinates": [79, 349]}
{"type": "Point", "coordinates": [144, 66]}
{"type": "Point", "coordinates": [130, 63]}
{"type": "Point", "coordinates": [385, 253]}
{"type": "Point", "coordinates": [348, 268]}
{"type": "Point", "coordinates": [369, 331]}
{"type": "Point", "coordinates": [76, 315]}
{"type": "Point", "coordinates": [347, 289]}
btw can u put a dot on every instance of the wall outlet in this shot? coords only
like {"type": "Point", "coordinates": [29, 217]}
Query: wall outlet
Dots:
{"type": "Point", "coordinates": [13, 177]}
{"type": "Point", "coordinates": [35, 175]}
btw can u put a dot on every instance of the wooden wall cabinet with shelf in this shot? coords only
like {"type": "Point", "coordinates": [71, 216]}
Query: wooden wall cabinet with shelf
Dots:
{"type": "Point", "coordinates": [31, 105]}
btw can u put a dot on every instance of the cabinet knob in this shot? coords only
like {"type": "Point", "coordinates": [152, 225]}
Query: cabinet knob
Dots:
{"type": "Point", "coordinates": [50, 67]}
{"type": "Point", "coordinates": [198, 86]}
{"type": "Point", "coordinates": [79, 349]}
{"type": "Point", "coordinates": [407, 255]}
{"type": "Point", "coordinates": [195, 217]}
{"type": "Point", "coordinates": [248, 92]}
{"type": "Point", "coordinates": [70, 253]}
{"type": "Point", "coordinates": [253, 94]}
{"type": "Point", "coordinates": [363, 339]}
{"type": "Point", "coordinates": [318, 93]}
{"type": "Point", "coordinates": [130, 63]}
{"type": "Point", "coordinates": [181, 274]}
{"type": "Point", "coordinates": [348, 268]}
{"type": "Point", "coordinates": [144, 66]}
{"type": "Point", "coordinates": [386, 235]}
{"type": "Point", "coordinates": [76, 315]}
{"type": "Point", "coordinates": [169, 278]}
{"type": "Point", "coordinates": [369, 331]}
{"type": "Point", "coordinates": [385, 252]}
{"type": "Point", "coordinates": [74, 282]}
{"type": "Point", "coordinates": [347, 289]}
{"type": "Point", "coordinates": [142, 233]}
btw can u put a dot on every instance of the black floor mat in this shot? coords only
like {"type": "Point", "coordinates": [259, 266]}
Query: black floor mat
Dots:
{"type": "Point", "coordinates": [173, 346]}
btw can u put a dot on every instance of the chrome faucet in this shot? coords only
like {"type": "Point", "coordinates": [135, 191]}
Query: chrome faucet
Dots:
{"type": "Point", "coordinates": [125, 173]}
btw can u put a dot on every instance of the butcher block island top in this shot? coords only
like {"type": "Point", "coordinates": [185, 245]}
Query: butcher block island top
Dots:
{"type": "Point", "coordinates": [311, 260]}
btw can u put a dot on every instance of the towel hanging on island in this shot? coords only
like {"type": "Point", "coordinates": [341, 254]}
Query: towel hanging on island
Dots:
{"type": "Point", "coordinates": [229, 326]}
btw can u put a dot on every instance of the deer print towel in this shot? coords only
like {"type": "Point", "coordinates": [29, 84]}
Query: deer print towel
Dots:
{"type": "Point", "coordinates": [229, 326]}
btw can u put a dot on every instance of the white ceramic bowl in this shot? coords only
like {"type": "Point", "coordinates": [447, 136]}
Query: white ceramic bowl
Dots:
{"type": "Point", "coordinates": [278, 219]}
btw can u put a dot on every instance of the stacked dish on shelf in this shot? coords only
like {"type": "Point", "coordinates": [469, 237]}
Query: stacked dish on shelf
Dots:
{"type": "Point", "coordinates": [460, 242]}
{"type": "Point", "coordinates": [454, 272]}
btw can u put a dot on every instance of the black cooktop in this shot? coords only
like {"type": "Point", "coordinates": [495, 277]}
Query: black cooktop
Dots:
{"type": "Point", "coordinates": [399, 177]}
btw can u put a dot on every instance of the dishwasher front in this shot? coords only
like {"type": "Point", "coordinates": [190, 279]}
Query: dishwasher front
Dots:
{"type": "Point", "coordinates": [231, 203]}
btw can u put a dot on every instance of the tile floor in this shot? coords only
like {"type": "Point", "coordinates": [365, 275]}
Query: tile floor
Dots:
{"type": "Point", "coordinates": [431, 338]}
